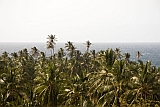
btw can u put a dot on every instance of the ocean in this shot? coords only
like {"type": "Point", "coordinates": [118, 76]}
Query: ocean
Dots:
{"type": "Point", "coordinates": [149, 50]}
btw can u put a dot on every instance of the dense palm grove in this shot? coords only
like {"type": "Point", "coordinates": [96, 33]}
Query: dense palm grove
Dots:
{"type": "Point", "coordinates": [70, 78]}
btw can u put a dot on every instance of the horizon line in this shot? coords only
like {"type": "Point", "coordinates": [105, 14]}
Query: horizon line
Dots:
{"type": "Point", "coordinates": [82, 42]}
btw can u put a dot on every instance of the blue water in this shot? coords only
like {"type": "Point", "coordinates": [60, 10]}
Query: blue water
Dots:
{"type": "Point", "coordinates": [150, 51]}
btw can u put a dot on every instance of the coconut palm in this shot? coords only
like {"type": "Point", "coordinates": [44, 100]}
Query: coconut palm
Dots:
{"type": "Point", "coordinates": [68, 45]}
{"type": "Point", "coordinates": [20, 54]}
{"type": "Point", "coordinates": [14, 55]}
{"type": "Point", "coordinates": [71, 48]}
{"type": "Point", "coordinates": [101, 79]}
{"type": "Point", "coordinates": [25, 52]}
{"type": "Point", "coordinates": [100, 85]}
{"type": "Point", "coordinates": [75, 91]}
{"type": "Point", "coordinates": [108, 86]}
{"type": "Point", "coordinates": [88, 44]}
{"type": "Point", "coordinates": [11, 92]}
{"type": "Point", "coordinates": [4, 55]}
{"type": "Point", "coordinates": [110, 57]}
{"type": "Point", "coordinates": [138, 54]}
{"type": "Point", "coordinates": [127, 56]}
{"type": "Point", "coordinates": [61, 53]}
{"type": "Point", "coordinates": [122, 76]}
{"type": "Point", "coordinates": [42, 54]}
{"type": "Point", "coordinates": [78, 55]}
{"type": "Point", "coordinates": [118, 53]}
{"type": "Point", "coordinates": [34, 52]}
{"type": "Point", "coordinates": [93, 54]}
{"type": "Point", "coordinates": [143, 87]}
{"type": "Point", "coordinates": [51, 42]}
{"type": "Point", "coordinates": [48, 87]}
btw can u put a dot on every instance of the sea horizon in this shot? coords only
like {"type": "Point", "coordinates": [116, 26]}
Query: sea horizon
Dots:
{"type": "Point", "coordinates": [149, 50]}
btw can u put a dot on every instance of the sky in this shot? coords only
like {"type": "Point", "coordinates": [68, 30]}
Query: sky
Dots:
{"type": "Point", "coordinates": [80, 20]}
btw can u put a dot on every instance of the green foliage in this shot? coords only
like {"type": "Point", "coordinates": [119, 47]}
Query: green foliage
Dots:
{"type": "Point", "coordinates": [76, 79]}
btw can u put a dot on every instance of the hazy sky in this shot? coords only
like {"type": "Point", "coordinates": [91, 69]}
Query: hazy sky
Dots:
{"type": "Point", "coordinates": [80, 20]}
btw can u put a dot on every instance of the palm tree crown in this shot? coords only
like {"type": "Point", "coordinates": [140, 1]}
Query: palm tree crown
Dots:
{"type": "Point", "coordinates": [51, 42]}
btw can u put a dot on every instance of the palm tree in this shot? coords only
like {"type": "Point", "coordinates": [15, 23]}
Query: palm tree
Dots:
{"type": "Point", "coordinates": [4, 55]}
{"type": "Point", "coordinates": [78, 55]}
{"type": "Point", "coordinates": [122, 76]}
{"type": "Point", "coordinates": [11, 93]}
{"type": "Point", "coordinates": [138, 54]}
{"type": "Point", "coordinates": [117, 52]}
{"type": "Point", "coordinates": [110, 57]}
{"type": "Point", "coordinates": [42, 54]}
{"type": "Point", "coordinates": [108, 85]}
{"type": "Point", "coordinates": [100, 91]}
{"type": "Point", "coordinates": [71, 48]}
{"type": "Point", "coordinates": [61, 53]}
{"type": "Point", "coordinates": [47, 88]}
{"type": "Point", "coordinates": [23, 54]}
{"type": "Point", "coordinates": [51, 42]}
{"type": "Point", "coordinates": [68, 45]}
{"type": "Point", "coordinates": [143, 86]}
{"type": "Point", "coordinates": [93, 54]}
{"type": "Point", "coordinates": [88, 44]}
{"type": "Point", "coordinates": [34, 52]}
{"type": "Point", "coordinates": [91, 80]}
{"type": "Point", "coordinates": [75, 91]}
{"type": "Point", "coordinates": [14, 55]}
{"type": "Point", "coordinates": [127, 56]}
{"type": "Point", "coordinates": [20, 54]}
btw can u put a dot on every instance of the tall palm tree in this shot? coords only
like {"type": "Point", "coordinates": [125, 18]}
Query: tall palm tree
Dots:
{"type": "Point", "coordinates": [68, 45]}
{"type": "Point", "coordinates": [88, 44]}
{"type": "Point", "coordinates": [51, 42]}
{"type": "Point", "coordinates": [71, 48]}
